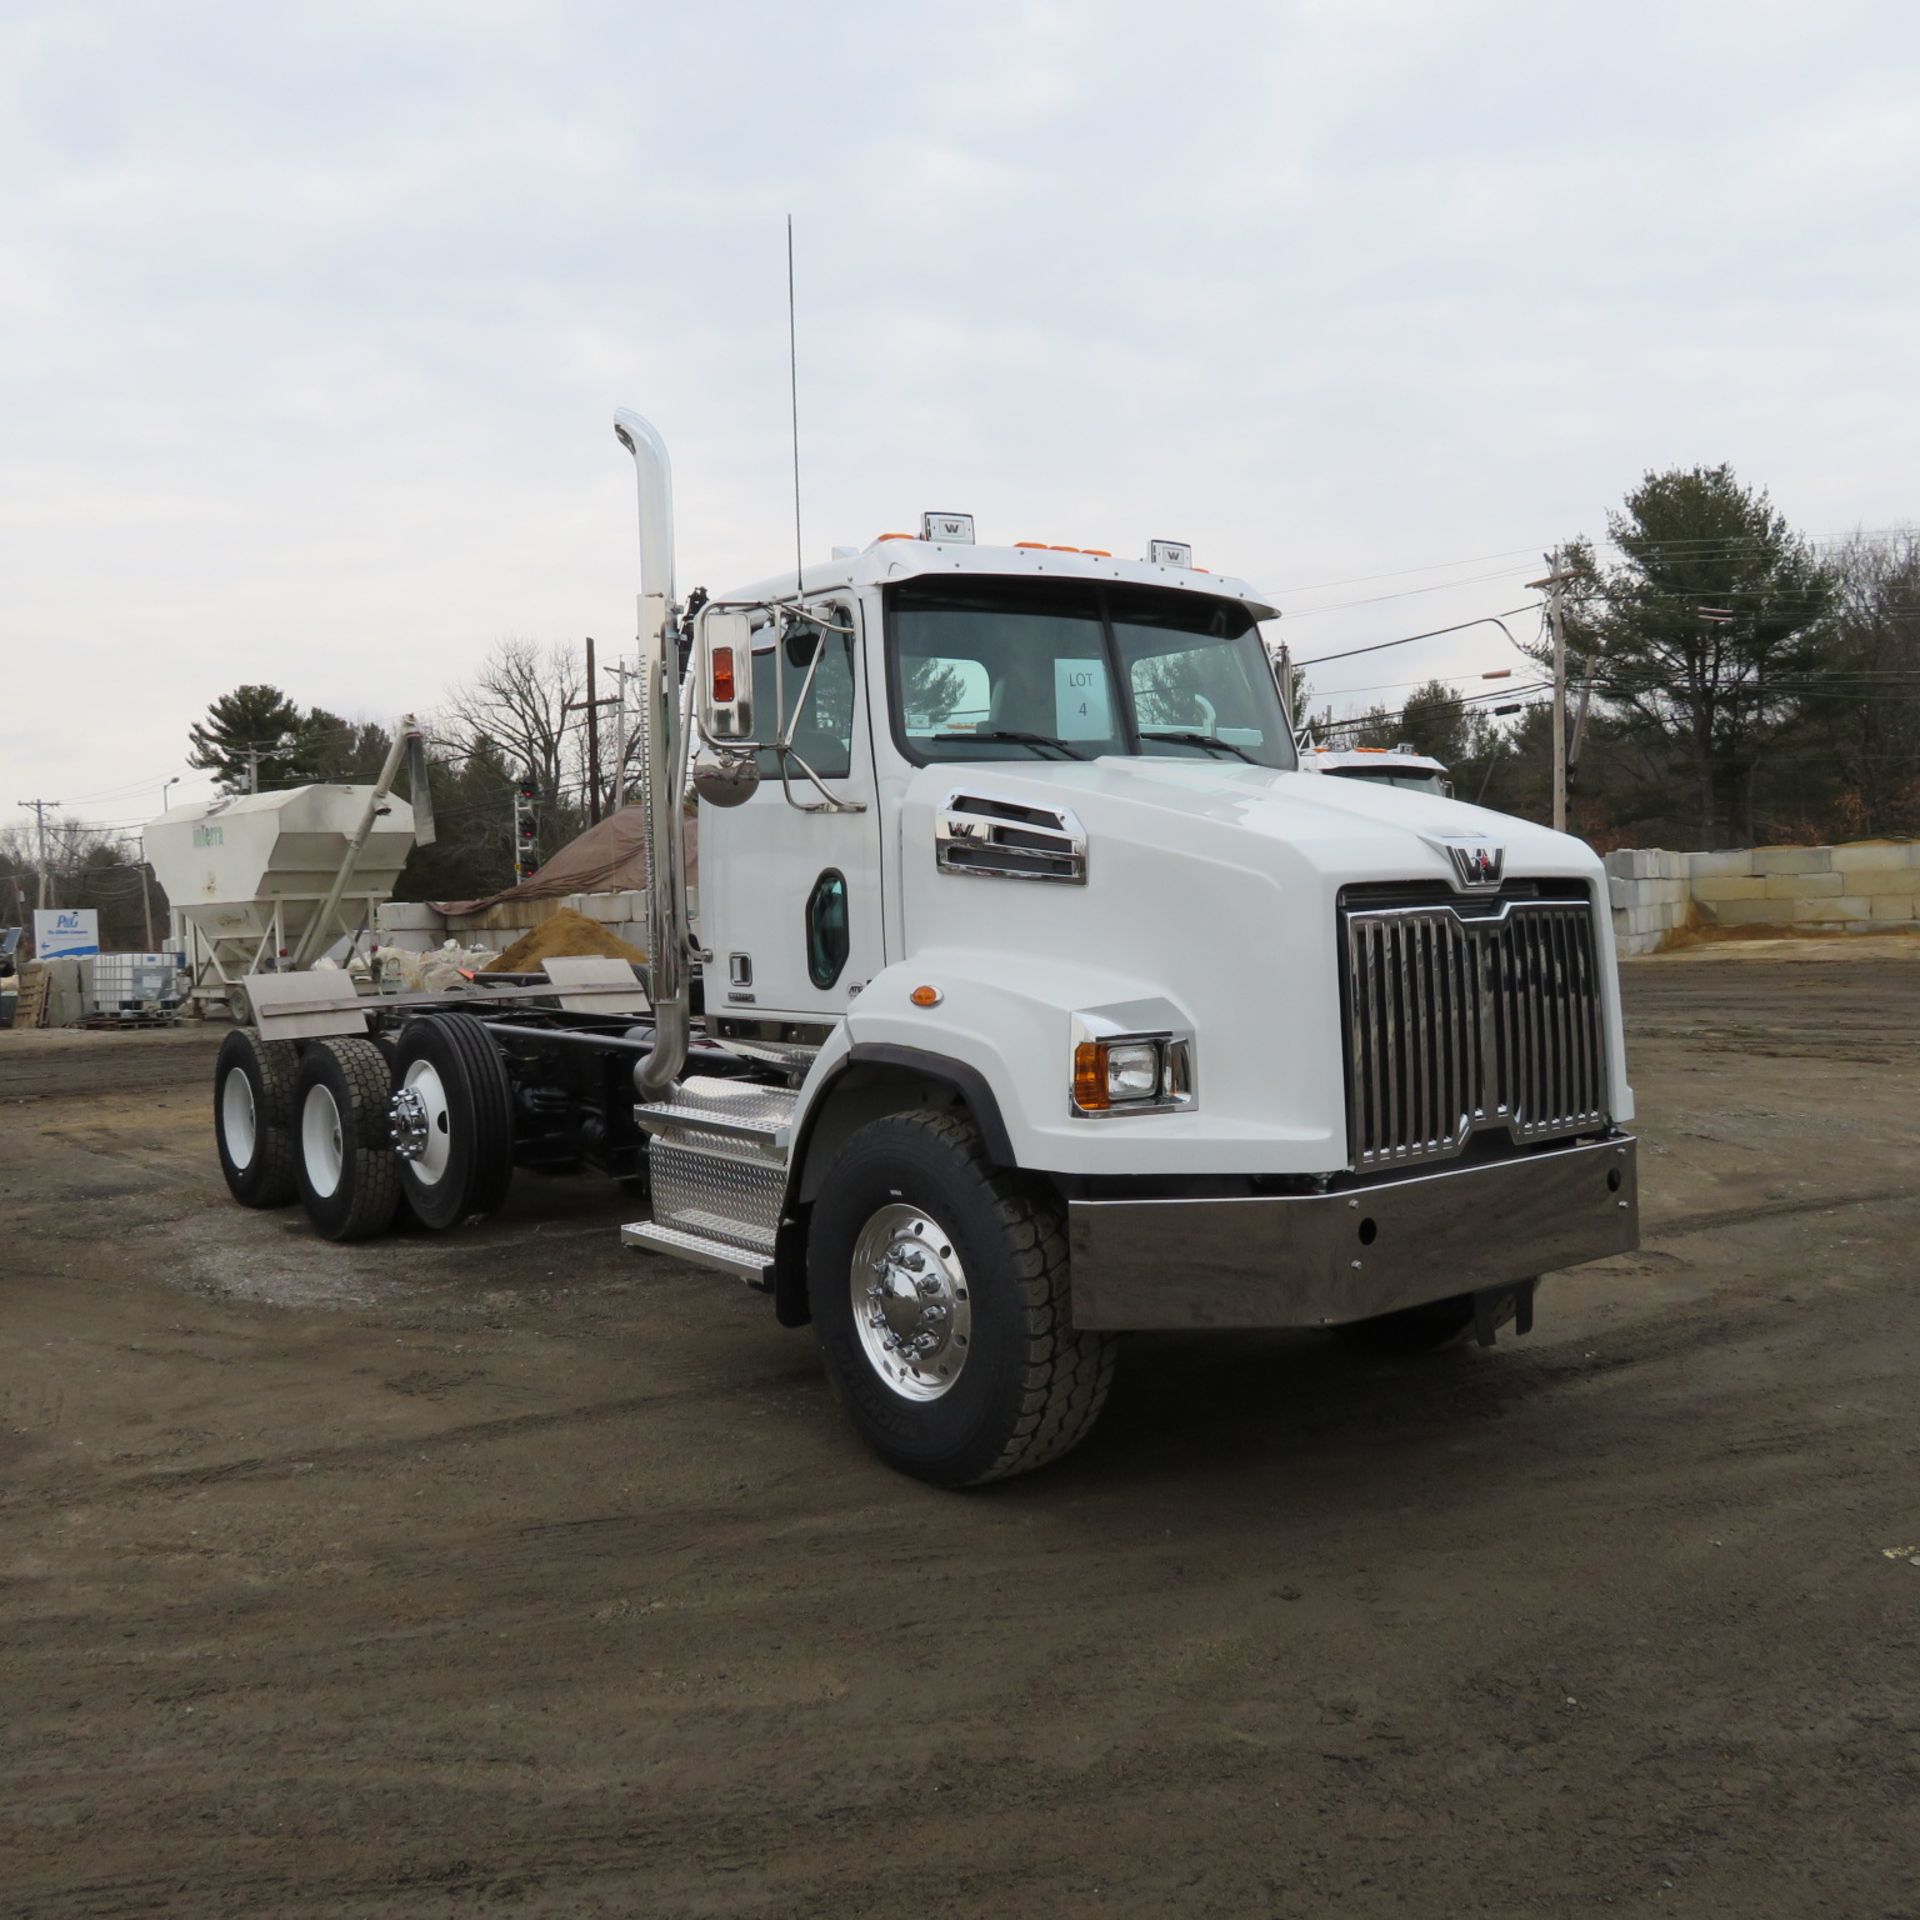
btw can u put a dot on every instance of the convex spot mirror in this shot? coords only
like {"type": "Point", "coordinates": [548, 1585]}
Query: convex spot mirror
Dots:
{"type": "Point", "coordinates": [725, 779]}
{"type": "Point", "coordinates": [724, 659]}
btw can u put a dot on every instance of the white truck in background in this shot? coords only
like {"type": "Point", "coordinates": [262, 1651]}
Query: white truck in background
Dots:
{"type": "Point", "coordinates": [1403, 766]}
{"type": "Point", "coordinates": [1041, 997]}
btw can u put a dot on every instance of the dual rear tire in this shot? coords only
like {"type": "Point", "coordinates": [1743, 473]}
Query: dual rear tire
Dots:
{"type": "Point", "coordinates": [352, 1127]}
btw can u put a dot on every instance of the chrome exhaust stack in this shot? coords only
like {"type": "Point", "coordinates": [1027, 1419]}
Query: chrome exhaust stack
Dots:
{"type": "Point", "coordinates": [667, 929]}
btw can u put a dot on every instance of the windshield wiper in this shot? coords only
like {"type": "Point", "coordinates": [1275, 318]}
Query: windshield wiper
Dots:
{"type": "Point", "coordinates": [1017, 739]}
{"type": "Point", "coordinates": [1199, 740]}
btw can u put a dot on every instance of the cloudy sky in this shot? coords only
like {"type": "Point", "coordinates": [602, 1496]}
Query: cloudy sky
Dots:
{"type": "Point", "coordinates": [312, 317]}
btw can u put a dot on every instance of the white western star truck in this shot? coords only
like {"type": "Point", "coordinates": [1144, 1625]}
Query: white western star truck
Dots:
{"type": "Point", "coordinates": [1036, 996]}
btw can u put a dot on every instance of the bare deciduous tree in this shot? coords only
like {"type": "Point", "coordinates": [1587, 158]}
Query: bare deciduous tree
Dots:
{"type": "Point", "coordinates": [519, 700]}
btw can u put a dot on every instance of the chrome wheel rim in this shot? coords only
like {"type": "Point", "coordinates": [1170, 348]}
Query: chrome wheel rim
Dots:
{"type": "Point", "coordinates": [321, 1145]}
{"type": "Point", "coordinates": [417, 1116]}
{"type": "Point", "coordinates": [237, 1120]}
{"type": "Point", "coordinates": [910, 1303]}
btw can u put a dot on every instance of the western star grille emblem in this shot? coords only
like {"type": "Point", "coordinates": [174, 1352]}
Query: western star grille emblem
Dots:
{"type": "Point", "coordinates": [1476, 865]}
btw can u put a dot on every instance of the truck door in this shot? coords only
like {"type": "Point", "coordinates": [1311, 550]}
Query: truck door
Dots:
{"type": "Point", "coordinates": [789, 881]}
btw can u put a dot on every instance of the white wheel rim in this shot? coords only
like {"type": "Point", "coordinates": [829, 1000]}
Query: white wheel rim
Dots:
{"type": "Point", "coordinates": [424, 1083]}
{"type": "Point", "coordinates": [321, 1146]}
{"type": "Point", "coordinates": [237, 1123]}
{"type": "Point", "coordinates": [911, 1305]}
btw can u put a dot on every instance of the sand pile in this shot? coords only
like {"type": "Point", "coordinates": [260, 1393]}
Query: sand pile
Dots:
{"type": "Point", "coordinates": [565, 932]}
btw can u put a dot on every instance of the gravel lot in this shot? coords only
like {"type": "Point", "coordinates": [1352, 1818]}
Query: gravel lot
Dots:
{"type": "Point", "coordinates": [510, 1571]}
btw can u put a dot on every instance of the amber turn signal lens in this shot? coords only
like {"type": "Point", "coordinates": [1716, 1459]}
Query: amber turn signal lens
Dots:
{"type": "Point", "coordinates": [1090, 1076]}
{"type": "Point", "coordinates": [723, 676]}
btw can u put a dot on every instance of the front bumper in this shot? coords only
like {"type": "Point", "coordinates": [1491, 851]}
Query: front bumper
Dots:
{"type": "Point", "coordinates": [1317, 1259]}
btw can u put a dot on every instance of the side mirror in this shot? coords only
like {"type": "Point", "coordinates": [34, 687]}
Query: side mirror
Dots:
{"type": "Point", "coordinates": [724, 659]}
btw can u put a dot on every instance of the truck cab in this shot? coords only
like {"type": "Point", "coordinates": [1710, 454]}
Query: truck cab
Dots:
{"type": "Point", "coordinates": [1008, 856]}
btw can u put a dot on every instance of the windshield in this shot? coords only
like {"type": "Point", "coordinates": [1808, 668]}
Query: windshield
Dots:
{"type": "Point", "coordinates": [1005, 670]}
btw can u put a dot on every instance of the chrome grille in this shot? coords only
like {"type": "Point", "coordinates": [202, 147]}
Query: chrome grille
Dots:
{"type": "Point", "coordinates": [1461, 1022]}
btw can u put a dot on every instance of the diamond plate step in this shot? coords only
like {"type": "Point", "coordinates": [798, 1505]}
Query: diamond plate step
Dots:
{"type": "Point", "coordinates": [700, 1250]}
{"type": "Point", "coordinates": [732, 1109]}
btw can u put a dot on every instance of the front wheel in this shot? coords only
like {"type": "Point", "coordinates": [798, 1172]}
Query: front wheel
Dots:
{"type": "Point", "coordinates": [939, 1290]}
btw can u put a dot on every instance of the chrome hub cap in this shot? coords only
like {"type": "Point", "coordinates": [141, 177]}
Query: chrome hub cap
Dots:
{"type": "Point", "coordinates": [417, 1122]}
{"type": "Point", "coordinates": [237, 1120]}
{"type": "Point", "coordinates": [910, 1302]}
{"type": "Point", "coordinates": [320, 1143]}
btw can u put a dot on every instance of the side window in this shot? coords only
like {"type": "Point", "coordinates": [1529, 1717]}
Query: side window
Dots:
{"type": "Point", "coordinates": [829, 940]}
{"type": "Point", "coordinates": [823, 737]}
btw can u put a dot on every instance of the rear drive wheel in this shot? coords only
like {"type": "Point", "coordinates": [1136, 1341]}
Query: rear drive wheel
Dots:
{"type": "Point", "coordinates": [349, 1183]}
{"type": "Point", "coordinates": [1422, 1329]}
{"type": "Point", "coordinates": [939, 1290]}
{"type": "Point", "coordinates": [253, 1118]}
{"type": "Point", "coordinates": [451, 1119]}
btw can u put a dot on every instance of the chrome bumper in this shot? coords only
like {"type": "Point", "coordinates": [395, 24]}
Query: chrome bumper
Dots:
{"type": "Point", "coordinates": [1315, 1260]}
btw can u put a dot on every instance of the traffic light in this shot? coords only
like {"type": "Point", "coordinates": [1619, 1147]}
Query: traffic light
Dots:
{"type": "Point", "coordinates": [526, 829]}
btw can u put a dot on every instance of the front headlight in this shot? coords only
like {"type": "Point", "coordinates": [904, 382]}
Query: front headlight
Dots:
{"type": "Point", "coordinates": [1133, 1073]}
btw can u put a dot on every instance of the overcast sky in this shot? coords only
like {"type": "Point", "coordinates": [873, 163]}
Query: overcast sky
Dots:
{"type": "Point", "coordinates": [312, 318]}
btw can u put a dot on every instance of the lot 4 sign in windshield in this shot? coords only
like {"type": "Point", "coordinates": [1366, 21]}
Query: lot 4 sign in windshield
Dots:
{"type": "Point", "coordinates": [64, 933]}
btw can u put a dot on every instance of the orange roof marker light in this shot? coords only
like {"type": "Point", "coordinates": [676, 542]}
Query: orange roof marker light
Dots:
{"type": "Point", "coordinates": [926, 996]}
{"type": "Point", "coordinates": [878, 537]}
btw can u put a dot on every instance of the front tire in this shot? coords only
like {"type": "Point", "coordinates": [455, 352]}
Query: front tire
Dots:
{"type": "Point", "coordinates": [349, 1181]}
{"type": "Point", "coordinates": [253, 1118]}
{"type": "Point", "coordinates": [939, 1292]}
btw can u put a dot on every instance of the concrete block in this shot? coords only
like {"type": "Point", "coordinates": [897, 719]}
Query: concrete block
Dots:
{"type": "Point", "coordinates": [1619, 893]}
{"type": "Point", "coordinates": [1673, 866]}
{"type": "Point", "coordinates": [1751, 913]}
{"type": "Point", "coordinates": [1619, 863]}
{"type": "Point", "coordinates": [1739, 860]}
{"type": "Point", "coordinates": [1803, 886]}
{"type": "Point", "coordinates": [1833, 907]}
{"type": "Point", "coordinates": [1876, 854]}
{"type": "Point", "coordinates": [1894, 906]}
{"type": "Point", "coordinates": [1793, 859]}
{"type": "Point", "coordinates": [1879, 879]}
{"type": "Point", "coordinates": [1729, 886]}
{"type": "Point", "coordinates": [408, 916]}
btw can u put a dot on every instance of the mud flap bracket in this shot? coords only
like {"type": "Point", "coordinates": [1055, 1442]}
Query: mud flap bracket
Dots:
{"type": "Point", "coordinates": [1486, 1309]}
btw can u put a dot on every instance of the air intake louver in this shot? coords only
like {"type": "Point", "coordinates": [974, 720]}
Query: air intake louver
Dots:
{"type": "Point", "coordinates": [1008, 841]}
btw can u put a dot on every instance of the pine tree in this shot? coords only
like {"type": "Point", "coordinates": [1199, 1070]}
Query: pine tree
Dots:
{"type": "Point", "coordinates": [250, 719]}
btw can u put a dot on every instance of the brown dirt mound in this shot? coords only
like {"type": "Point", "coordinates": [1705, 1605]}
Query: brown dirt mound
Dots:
{"type": "Point", "coordinates": [565, 932]}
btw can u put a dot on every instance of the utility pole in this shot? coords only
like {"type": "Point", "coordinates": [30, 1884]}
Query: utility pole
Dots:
{"type": "Point", "coordinates": [592, 706]}
{"type": "Point", "coordinates": [1286, 685]}
{"type": "Point", "coordinates": [253, 769]}
{"type": "Point", "coordinates": [1556, 583]}
{"type": "Point", "coordinates": [40, 818]}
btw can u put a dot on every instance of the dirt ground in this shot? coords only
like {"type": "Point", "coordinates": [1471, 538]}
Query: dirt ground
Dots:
{"type": "Point", "coordinates": [509, 1571]}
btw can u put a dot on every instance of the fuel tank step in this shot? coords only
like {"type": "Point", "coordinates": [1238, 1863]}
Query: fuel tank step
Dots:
{"type": "Point", "coordinates": [701, 1250]}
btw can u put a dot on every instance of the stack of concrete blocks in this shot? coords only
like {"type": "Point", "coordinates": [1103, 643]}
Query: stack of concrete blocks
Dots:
{"type": "Point", "coordinates": [413, 924]}
{"type": "Point", "coordinates": [1872, 886]}
{"type": "Point", "coordinates": [1647, 887]}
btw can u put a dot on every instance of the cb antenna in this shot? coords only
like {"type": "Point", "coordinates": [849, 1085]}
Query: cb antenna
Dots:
{"type": "Point", "coordinates": [793, 394]}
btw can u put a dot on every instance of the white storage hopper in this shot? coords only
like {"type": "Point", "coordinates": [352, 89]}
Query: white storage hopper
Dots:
{"type": "Point", "coordinates": [248, 874]}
